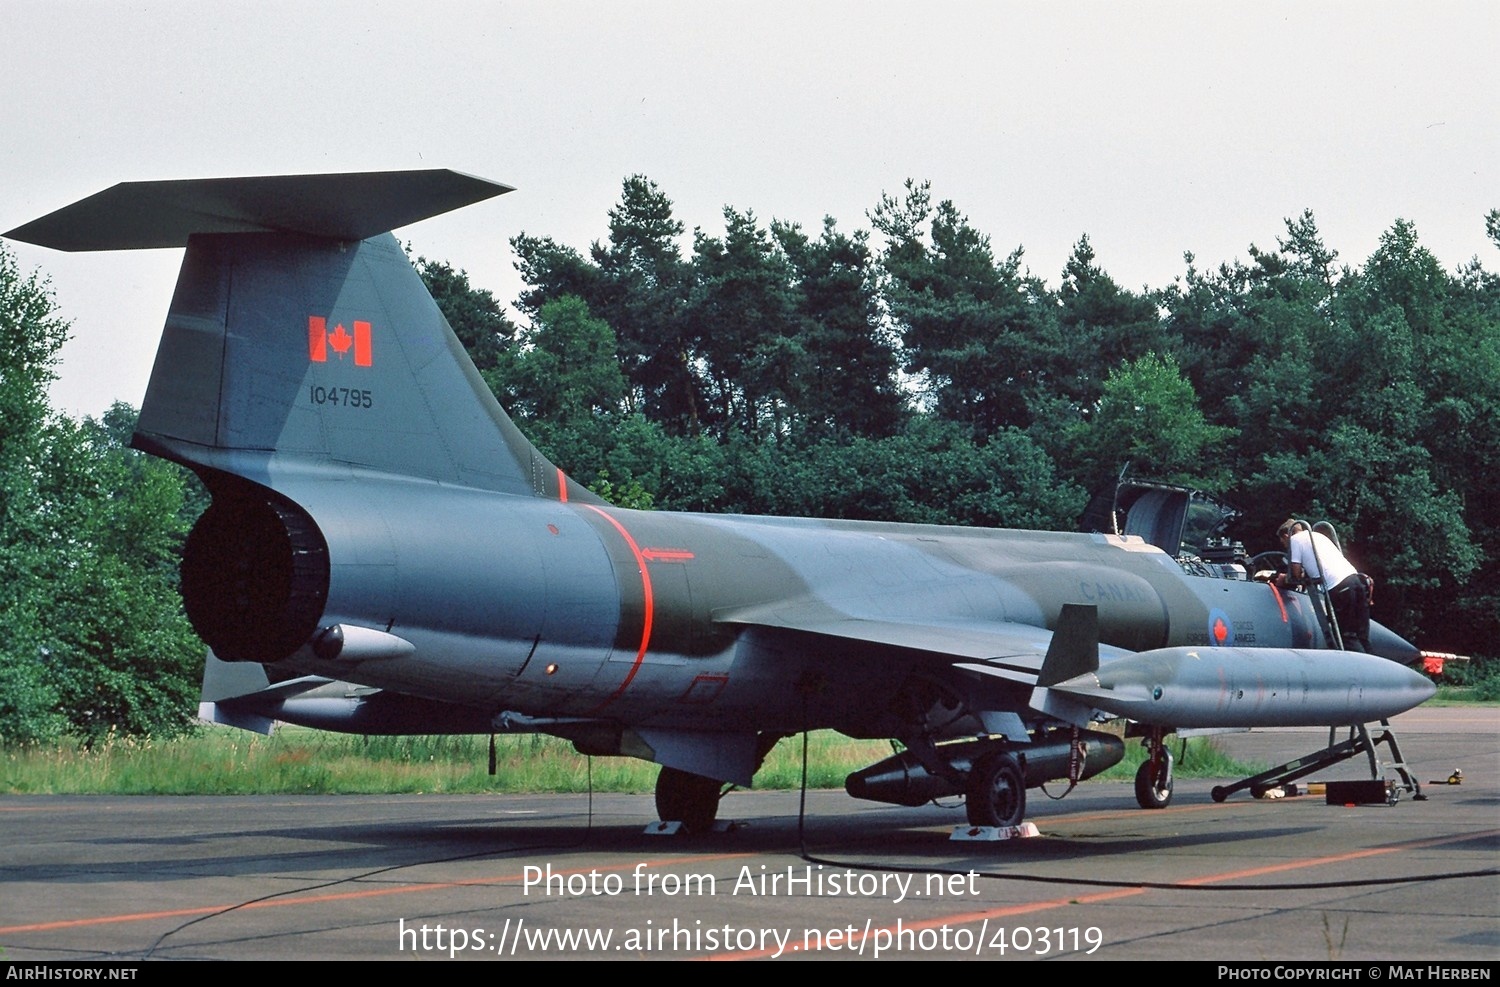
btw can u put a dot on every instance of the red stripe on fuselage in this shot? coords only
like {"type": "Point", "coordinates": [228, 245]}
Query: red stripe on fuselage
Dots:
{"type": "Point", "coordinates": [1277, 593]}
{"type": "Point", "coordinates": [562, 489]}
{"type": "Point", "coordinates": [650, 604]}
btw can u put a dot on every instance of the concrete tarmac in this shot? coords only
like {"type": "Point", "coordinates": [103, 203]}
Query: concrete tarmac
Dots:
{"type": "Point", "coordinates": [569, 877]}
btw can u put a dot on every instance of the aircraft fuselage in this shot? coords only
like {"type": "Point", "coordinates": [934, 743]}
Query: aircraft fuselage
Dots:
{"type": "Point", "coordinates": [557, 609]}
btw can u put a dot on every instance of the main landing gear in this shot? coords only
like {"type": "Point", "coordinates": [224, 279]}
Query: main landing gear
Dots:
{"type": "Point", "coordinates": [693, 799]}
{"type": "Point", "coordinates": [1153, 780]}
{"type": "Point", "coordinates": [690, 799]}
{"type": "Point", "coordinates": [996, 792]}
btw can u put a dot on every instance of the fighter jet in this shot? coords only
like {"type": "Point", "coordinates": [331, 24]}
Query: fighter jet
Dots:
{"type": "Point", "coordinates": [385, 552]}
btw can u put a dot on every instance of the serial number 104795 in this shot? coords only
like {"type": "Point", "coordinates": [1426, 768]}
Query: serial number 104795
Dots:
{"type": "Point", "coordinates": [346, 397]}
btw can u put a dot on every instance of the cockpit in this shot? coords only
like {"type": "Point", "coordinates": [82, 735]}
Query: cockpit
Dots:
{"type": "Point", "coordinates": [1187, 524]}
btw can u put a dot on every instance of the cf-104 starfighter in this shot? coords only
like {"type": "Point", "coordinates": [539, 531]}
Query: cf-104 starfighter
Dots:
{"type": "Point", "coordinates": [385, 552]}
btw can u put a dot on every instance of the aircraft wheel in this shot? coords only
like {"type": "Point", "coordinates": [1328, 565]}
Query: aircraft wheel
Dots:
{"type": "Point", "coordinates": [690, 799]}
{"type": "Point", "coordinates": [1153, 783]}
{"type": "Point", "coordinates": [996, 794]}
{"type": "Point", "coordinates": [1220, 793]}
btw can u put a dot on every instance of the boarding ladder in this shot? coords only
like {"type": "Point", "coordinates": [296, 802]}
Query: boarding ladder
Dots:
{"type": "Point", "coordinates": [1358, 741]}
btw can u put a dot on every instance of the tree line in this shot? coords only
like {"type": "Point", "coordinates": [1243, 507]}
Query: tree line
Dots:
{"type": "Point", "coordinates": [908, 372]}
{"type": "Point", "coordinates": [912, 372]}
{"type": "Point", "coordinates": [93, 640]}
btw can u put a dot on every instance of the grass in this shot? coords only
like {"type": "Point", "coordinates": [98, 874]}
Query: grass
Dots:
{"type": "Point", "coordinates": [1458, 695]}
{"type": "Point", "coordinates": [1202, 758]}
{"type": "Point", "coordinates": [218, 761]}
{"type": "Point", "coordinates": [231, 762]}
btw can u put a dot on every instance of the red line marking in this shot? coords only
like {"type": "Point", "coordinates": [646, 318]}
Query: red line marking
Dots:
{"type": "Point", "coordinates": [562, 486]}
{"type": "Point", "coordinates": [342, 896]}
{"type": "Point", "coordinates": [667, 554]}
{"type": "Point", "coordinates": [968, 918]}
{"type": "Point", "coordinates": [1337, 858]}
{"type": "Point", "coordinates": [714, 685]}
{"type": "Point", "coordinates": [650, 601]}
{"type": "Point", "coordinates": [1277, 593]}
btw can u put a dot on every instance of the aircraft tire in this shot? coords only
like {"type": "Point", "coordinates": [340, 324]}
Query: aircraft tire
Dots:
{"type": "Point", "coordinates": [690, 799]}
{"type": "Point", "coordinates": [1152, 792]}
{"type": "Point", "coordinates": [996, 792]}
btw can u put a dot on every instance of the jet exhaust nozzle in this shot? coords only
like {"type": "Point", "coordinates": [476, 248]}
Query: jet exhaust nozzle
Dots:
{"type": "Point", "coordinates": [255, 574]}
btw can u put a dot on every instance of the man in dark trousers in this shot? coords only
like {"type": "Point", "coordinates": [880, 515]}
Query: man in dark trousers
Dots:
{"type": "Point", "coordinates": [1312, 556]}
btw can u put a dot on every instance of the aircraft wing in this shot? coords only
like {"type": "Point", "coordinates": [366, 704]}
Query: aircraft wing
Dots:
{"type": "Point", "coordinates": [998, 645]}
{"type": "Point", "coordinates": [1070, 675]}
{"type": "Point", "coordinates": [994, 652]}
{"type": "Point", "coordinates": [1007, 644]}
{"type": "Point", "coordinates": [1003, 668]}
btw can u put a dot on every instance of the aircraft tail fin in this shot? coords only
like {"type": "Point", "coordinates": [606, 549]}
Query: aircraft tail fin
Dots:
{"type": "Point", "coordinates": [300, 331]}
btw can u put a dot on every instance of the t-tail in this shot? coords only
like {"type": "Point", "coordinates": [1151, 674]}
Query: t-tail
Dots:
{"type": "Point", "coordinates": [299, 329]}
{"type": "Point", "coordinates": [303, 351]}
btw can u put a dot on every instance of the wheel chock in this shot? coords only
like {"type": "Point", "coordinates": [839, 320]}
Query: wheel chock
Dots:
{"type": "Point", "coordinates": [671, 827]}
{"type": "Point", "coordinates": [993, 834]}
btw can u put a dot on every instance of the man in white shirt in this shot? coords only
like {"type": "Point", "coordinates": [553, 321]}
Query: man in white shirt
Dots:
{"type": "Point", "coordinates": [1312, 556]}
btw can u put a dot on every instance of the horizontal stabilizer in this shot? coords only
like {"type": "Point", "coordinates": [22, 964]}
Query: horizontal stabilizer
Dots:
{"type": "Point", "coordinates": [141, 215]}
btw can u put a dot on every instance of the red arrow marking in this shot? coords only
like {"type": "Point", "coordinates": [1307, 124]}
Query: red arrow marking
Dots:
{"type": "Point", "coordinates": [666, 554]}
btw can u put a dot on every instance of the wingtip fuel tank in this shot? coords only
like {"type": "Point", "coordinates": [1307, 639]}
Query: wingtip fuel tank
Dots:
{"type": "Point", "coordinates": [1249, 687]}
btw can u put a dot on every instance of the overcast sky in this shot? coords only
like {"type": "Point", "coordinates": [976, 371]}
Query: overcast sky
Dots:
{"type": "Point", "coordinates": [1155, 128]}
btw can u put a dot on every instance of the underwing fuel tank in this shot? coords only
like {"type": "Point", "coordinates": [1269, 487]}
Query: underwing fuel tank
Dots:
{"type": "Point", "coordinates": [901, 779]}
{"type": "Point", "coordinates": [1249, 687]}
